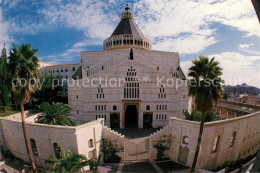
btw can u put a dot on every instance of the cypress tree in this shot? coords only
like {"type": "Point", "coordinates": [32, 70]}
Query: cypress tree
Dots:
{"type": "Point", "coordinates": [4, 84]}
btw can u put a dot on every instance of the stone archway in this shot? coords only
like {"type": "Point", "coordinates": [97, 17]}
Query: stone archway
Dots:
{"type": "Point", "coordinates": [131, 116]}
{"type": "Point", "coordinates": [114, 120]}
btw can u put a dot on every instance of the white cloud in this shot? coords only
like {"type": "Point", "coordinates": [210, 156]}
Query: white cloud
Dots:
{"type": "Point", "coordinates": [87, 16]}
{"type": "Point", "coordinates": [237, 68]}
{"type": "Point", "coordinates": [172, 25]}
{"type": "Point", "coordinates": [167, 19]}
{"type": "Point", "coordinates": [243, 46]}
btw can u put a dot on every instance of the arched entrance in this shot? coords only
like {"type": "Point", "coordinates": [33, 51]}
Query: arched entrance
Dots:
{"type": "Point", "coordinates": [131, 116]}
{"type": "Point", "coordinates": [114, 120]}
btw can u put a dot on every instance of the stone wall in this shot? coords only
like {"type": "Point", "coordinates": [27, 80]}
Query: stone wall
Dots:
{"type": "Point", "coordinates": [116, 139]}
{"type": "Point", "coordinates": [73, 138]}
{"type": "Point", "coordinates": [243, 131]}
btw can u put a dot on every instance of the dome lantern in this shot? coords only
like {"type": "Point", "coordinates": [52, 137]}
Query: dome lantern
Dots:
{"type": "Point", "coordinates": [127, 34]}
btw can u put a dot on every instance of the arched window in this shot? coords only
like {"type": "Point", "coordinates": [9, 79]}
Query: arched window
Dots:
{"type": "Point", "coordinates": [185, 139]}
{"type": "Point", "coordinates": [91, 143]}
{"type": "Point", "coordinates": [148, 107]}
{"type": "Point", "coordinates": [33, 147]}
{"type": "Point", "coordinates": [114, 108]}
{"type": "Point", "coordinates": [215, 144]}
{"type": "Point", "coordinates": [57, 150]}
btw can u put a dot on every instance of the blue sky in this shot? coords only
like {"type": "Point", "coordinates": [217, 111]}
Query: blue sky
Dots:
{"type": "Point", "coordinates": [228, 30]}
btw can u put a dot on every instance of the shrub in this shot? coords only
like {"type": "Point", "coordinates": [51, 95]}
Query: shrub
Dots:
{"type": "Point", "coordinates": [109, 152]}
{"type": "Point", "coordinates": [7, 154]}
{"type": "Point", "coordinates": [162, 146]}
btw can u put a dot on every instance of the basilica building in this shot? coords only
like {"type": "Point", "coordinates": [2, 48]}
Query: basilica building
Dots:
{"type": "Point", "coordinates": [127, 83]}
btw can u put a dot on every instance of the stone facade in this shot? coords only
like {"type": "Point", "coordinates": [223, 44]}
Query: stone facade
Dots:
{"type": "Point", "coordinates": [102, 99]}
{"type": "Point", "coordinates": [64, 71]}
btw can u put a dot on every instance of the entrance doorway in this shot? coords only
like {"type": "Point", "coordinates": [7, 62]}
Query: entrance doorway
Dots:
{"type": "Point", "coordinates": [114, 120]}
{"type": "Point", "coordinates": [147, 120]}
{"type": "Point", "coordinates": [131, 116]}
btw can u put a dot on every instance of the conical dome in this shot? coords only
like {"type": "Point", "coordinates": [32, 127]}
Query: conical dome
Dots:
{"type": "Point", "coordinates": [127, 34]}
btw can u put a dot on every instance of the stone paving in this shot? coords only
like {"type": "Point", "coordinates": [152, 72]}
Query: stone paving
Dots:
{"type": "Point", "coordinates": [7, 168]}
{"type": "Point", "coordinates": [135, 167]}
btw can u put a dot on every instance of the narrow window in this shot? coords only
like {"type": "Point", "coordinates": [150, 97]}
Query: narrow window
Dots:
{"type": "Point", "coordinates": [91, 143]}
{"type": "Point", "coordinates": [77, 112]}
{"type": "Point", "coordinates": [33, 147]}
{"type": "Point", "coordinates": [215, 145]}
{"type": "Point", "coordinates": [73, 69]}
{"type": "Point", "coordinates": [232, 141]}
{"type": "Point", "coordinates": [148, 107]}
{"type": "Point", "coordinates": [77, 97]}
{"type": "Point", "coordinates": [114, 108]}
{"type": "Point", "coordinates": [57, 150]}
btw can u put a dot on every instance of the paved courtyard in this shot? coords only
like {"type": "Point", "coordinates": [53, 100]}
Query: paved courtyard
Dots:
{"type": "Point", "coordinates": [133, 133]}
{"type": "Point", "coordinates": [135, 167]}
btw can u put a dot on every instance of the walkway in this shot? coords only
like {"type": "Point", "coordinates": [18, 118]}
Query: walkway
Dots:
{"type": "Point", "coordinates": [8, 168]}
{"type": "Point", "coordinates": [134, 167]}
{"type": "Point", "coordinates": [133, 133]}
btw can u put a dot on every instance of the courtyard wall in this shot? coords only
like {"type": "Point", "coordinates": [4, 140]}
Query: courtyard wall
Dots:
{"type": "Point", "coordinates": [234, 139]}
{"type": "Point", "coordinates": [74, 138]}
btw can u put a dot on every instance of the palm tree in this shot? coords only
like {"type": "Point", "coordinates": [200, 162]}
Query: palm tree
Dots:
{"type": "Point", "coordinates": [205, 87]}
{"type": "Point", "coordinates": [23, 66]}
{"type": "Point", "coordinates": [68, 162]}
{"type": "Point", "coordinates": [195, 115]}
{"type": "Point", "coordinates": [55, 114]}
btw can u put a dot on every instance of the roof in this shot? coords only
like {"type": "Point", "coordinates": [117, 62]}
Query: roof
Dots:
{"type": "Point", "coordinates": [127, 26]}
{"type": "Point", "coordinates": [61, 65]}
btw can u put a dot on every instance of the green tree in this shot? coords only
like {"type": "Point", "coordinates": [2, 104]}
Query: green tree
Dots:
{"type": "Point", "coordinates": [205, 87]}
{"type": "Point", "coordinates": [46, 92]}
{"type": "Point", "coordinates": [4, 80]}
{"type": "Point", "coordinates": [68, 162]}
{"type": "Point", "coordinates": [23, 66]}
{"type": "Point", "coordinates": [55, 114]}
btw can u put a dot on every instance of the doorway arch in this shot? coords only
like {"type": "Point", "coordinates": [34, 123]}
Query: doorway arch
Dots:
{"type": "Point", "coordinates": [131, 116]}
